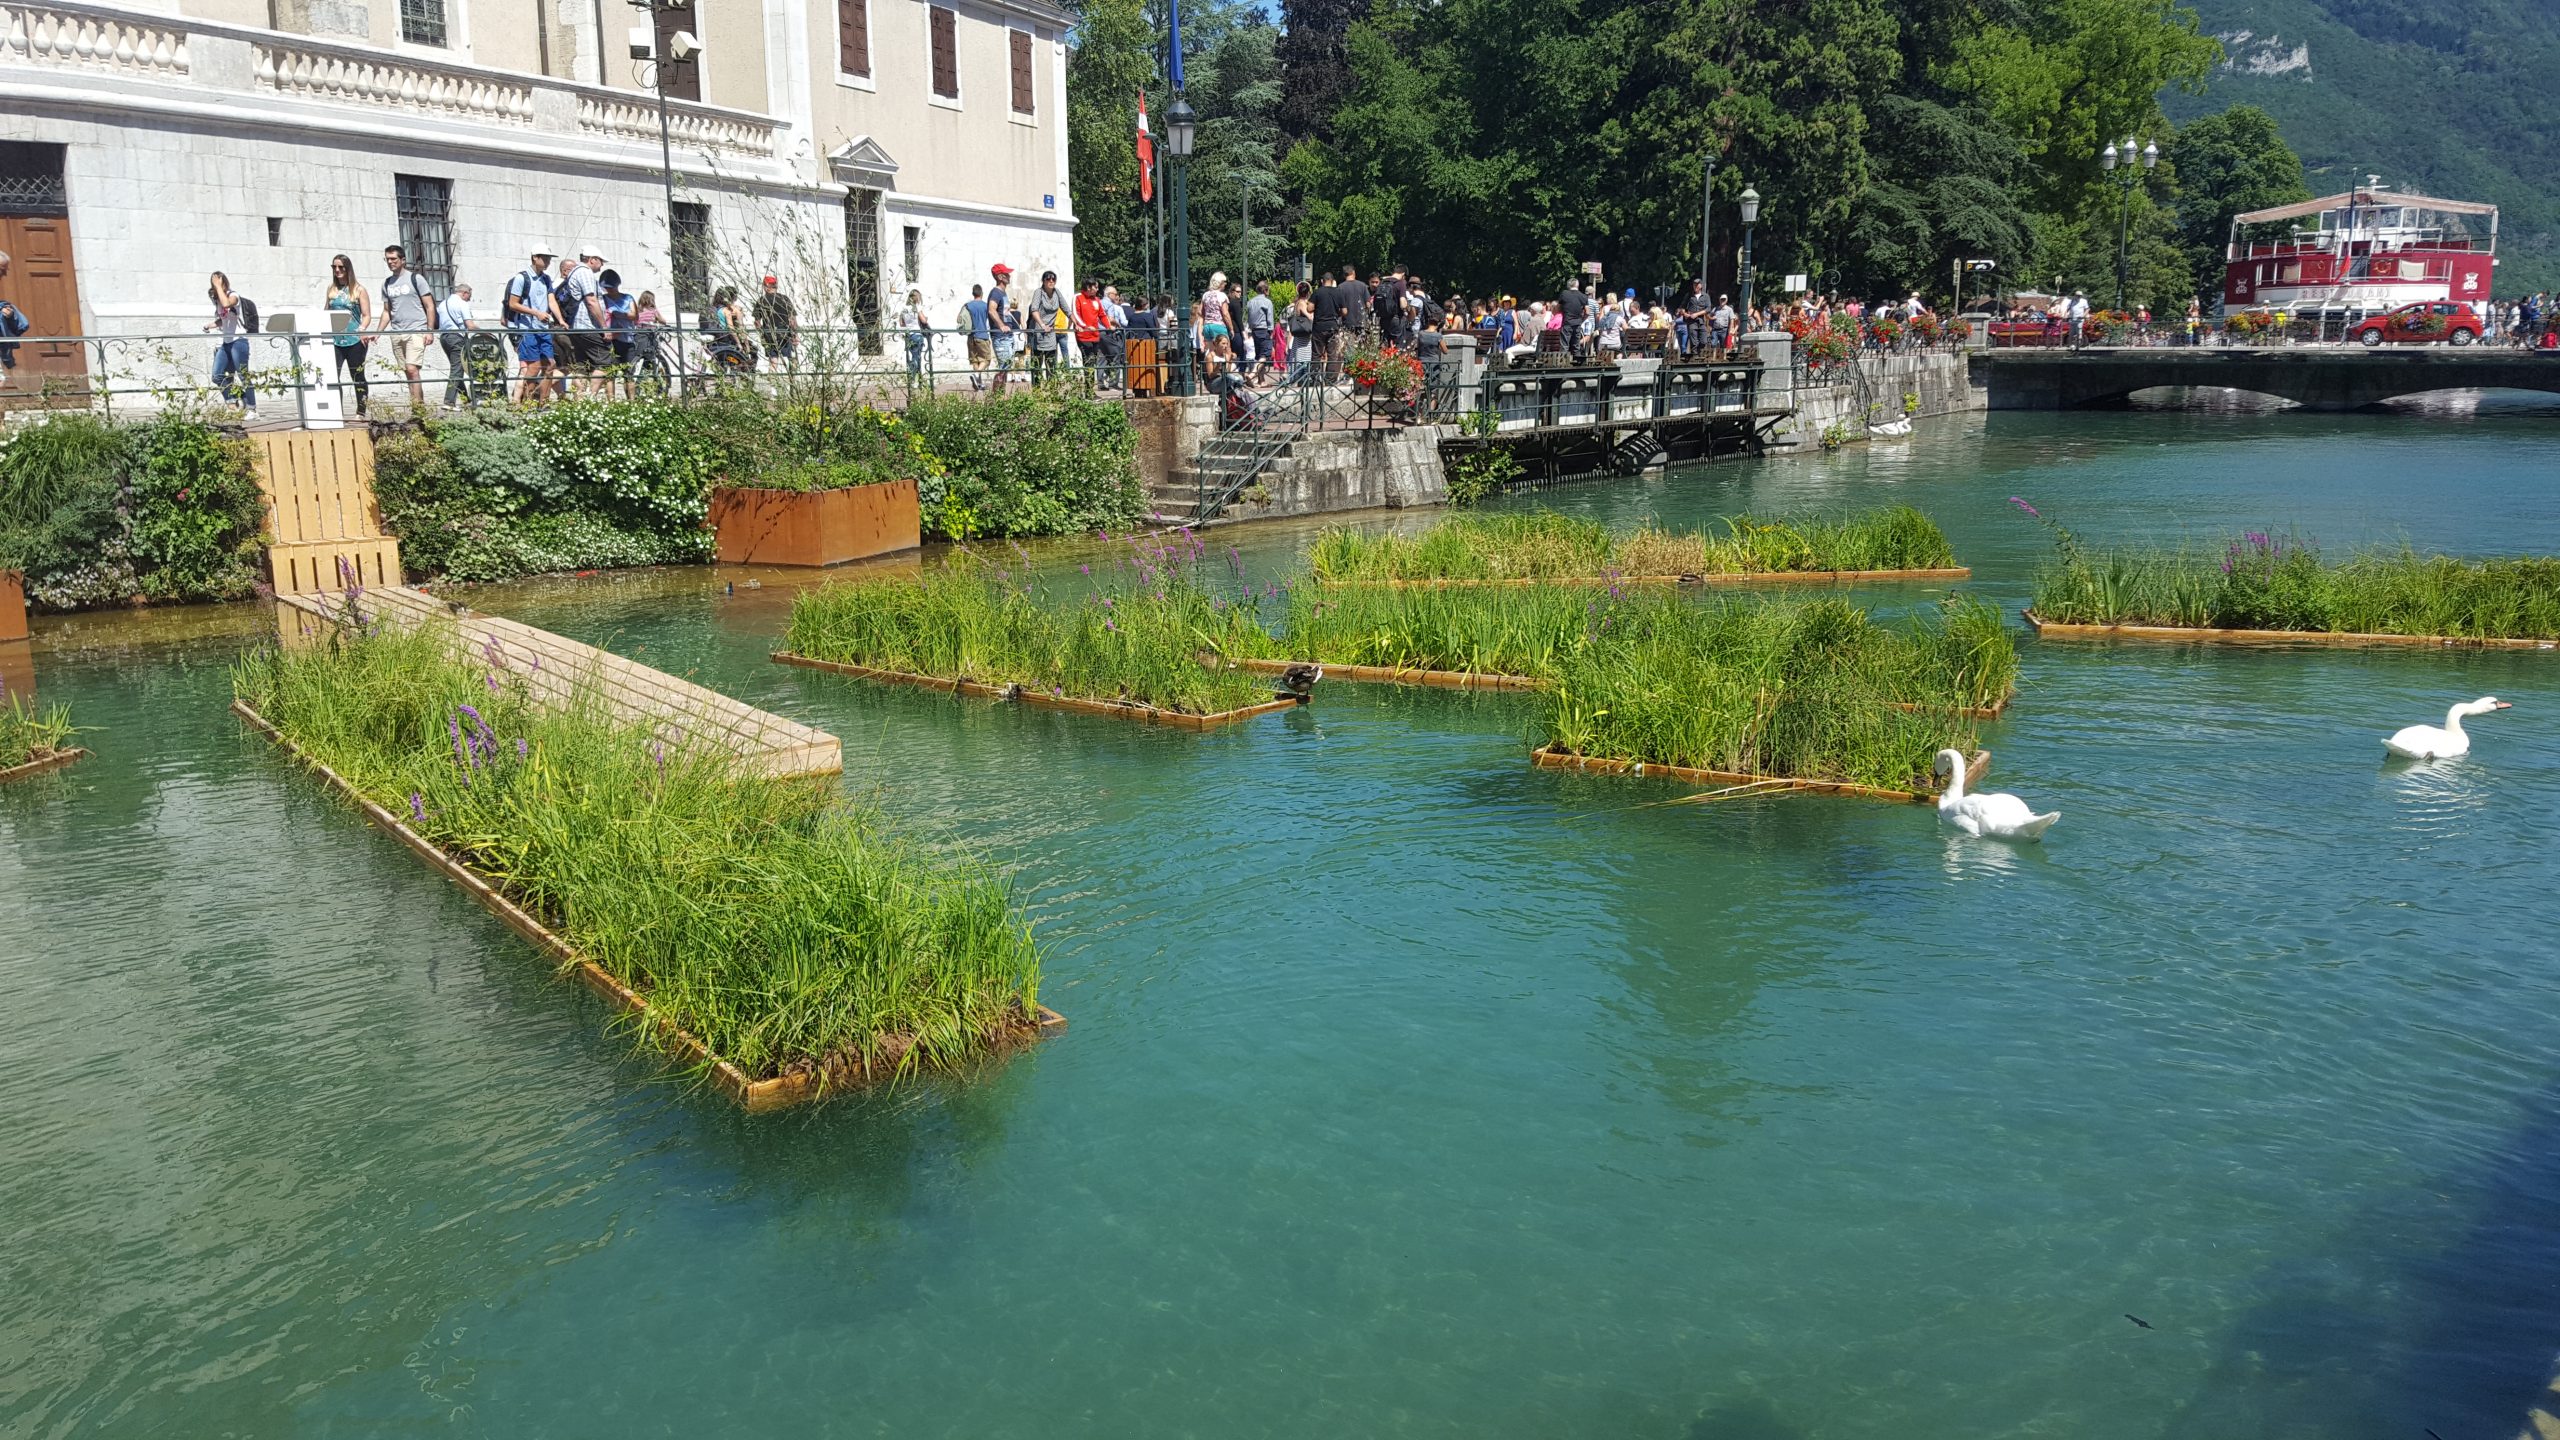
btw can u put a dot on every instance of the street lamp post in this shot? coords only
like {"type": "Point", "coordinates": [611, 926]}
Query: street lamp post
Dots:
{"type": "Point", "coordinates": [2127, 175]}
{"type": "Point", "coordinates": [1706, 225]}
{"type": "Point", "coordinates": [681, 46]}
{"type": "Point", "coordinates": [1750, 217]}
{"type": "Point", "coordinates": [1181, 129]}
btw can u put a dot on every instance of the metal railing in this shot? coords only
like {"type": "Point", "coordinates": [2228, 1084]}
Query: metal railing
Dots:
{"type": "Point", "coordinates": [268, 374]}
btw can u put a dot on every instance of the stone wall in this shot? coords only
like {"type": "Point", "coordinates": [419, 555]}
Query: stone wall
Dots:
{"type": "Point", "coordinates": [1386, 468]}
{"type": "Point", "coordinates": [1937, 377]}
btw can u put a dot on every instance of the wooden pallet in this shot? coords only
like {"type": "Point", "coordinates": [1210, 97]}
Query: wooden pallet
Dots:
{"type": "Point", "coordinates": [561, 671]}
{"type": "Point", "coordinates": [321, 515]}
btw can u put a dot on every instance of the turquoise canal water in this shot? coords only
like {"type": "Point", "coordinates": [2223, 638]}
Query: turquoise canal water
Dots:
{"type": "Point", "coordinates": [1410, 1091]}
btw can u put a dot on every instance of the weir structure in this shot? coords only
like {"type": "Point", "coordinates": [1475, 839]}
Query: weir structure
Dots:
{"type": "Point", "coordinates": [2314, 377]}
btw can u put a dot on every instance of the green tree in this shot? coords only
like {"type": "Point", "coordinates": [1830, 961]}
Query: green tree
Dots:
{"type": "Point", "coordinates": [2229, 163]}
{"type": "Point", "coordinates": [1112, 59]}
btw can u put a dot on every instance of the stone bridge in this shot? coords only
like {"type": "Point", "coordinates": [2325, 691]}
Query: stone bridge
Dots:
{"type": "Point", "coordinates": [2314, 377]}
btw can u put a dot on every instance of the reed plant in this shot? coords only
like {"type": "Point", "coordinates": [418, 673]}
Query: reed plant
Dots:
{"type": "Point", "coordinates": [1815, 691]}
{"type": "Point", "coordinates": [29, 731]}
{"type": "Point", "coordinates": [2264, 581]}
{"type": "Point", "coordinates": [1134, 633]}
{"type": "Point", "coordinates": [1543, 545]}
{"type": "Point", "coordinates": [1507, 630]}
{"type": "Point", "coordinates": [783, 928]}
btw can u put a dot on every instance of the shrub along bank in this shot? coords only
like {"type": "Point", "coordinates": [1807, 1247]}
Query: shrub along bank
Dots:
{"type": "Point", "coordinates": [595, 484]}
{"type": "Point", "coordinates": [99, 514]}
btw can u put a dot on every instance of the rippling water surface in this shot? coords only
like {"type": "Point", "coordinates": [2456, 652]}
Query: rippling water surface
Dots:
{"type": "Point", "coordinates": [1410, 1090]}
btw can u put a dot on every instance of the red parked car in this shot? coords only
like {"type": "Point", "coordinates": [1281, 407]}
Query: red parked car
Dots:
{"type": "Point", "coordinates": [2421, 324]}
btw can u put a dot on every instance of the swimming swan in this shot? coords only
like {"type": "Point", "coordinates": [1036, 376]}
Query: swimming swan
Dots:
{"type": "Point", "coordinates": [2001, 817]}
{"type": "Point", "coordinates": [2434, 742]}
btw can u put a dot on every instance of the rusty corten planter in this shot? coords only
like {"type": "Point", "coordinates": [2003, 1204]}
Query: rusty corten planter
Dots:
{"type": "Point", "coordinates": [13, 605]}
{"type": "Point", "coordinates": [757, 526]}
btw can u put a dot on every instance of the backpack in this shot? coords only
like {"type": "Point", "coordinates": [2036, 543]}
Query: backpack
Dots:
{"type": "Point", "coordinates": [14, 321]}
{"type": "Point", "coordinates": [248, 314]}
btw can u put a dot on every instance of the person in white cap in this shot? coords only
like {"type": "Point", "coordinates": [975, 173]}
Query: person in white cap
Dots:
{"type": "Point", "coordinates": [582, 302]}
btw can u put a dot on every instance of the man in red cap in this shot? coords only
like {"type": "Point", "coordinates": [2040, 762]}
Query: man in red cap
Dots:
{"type": "Point", "coordinates": [778, 323]}
{"type": "Point", "coordinates": [1003, 321]}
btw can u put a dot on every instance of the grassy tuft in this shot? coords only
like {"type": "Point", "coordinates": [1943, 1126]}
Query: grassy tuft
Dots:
{"type": "Point", "coordinates": [1543, 545]}
{"type": "Point", "coordinates": [1135, 633]}
{"type": "Point", "coordinates": [780, 926]}
{"type": "Point", "coordinates": [1810, 691]}
{"type": "Point", "coordinates": [31, 733]}
{"type": "Point", "coordinates": [2264, 581]}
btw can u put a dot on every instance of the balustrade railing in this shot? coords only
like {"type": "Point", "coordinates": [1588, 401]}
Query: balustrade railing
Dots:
{"type": "Point", "coordinates": [83, 35]}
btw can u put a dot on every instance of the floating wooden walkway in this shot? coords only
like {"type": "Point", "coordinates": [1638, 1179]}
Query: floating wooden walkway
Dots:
{"type": "Point", "coordinates": [559, 670]}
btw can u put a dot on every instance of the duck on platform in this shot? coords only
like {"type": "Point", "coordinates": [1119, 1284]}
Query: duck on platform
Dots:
{"type": "Point", "coordinates": [1298, 682]}
{"type": "Point", "coordinates": [2442, 742]}
{"type": "Point", "coordinates": [1994, 816]}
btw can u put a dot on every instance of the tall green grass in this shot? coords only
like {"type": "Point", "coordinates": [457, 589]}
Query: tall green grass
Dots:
{"type": "Point", "coordinates": [1134, 634]}
{"type": "Point", "coordinates": [1818, 690]}
{"type": "Point", "coordinates": [31, 732]}
{"type": "Point", "coordinates": [1510, 630]}
{"type": "Point", "coordinates": [2262, 581]}
{"type": "Point", "coordinates": [1543, 545]}
{"type": "Point", "coordinates": [767, 918]}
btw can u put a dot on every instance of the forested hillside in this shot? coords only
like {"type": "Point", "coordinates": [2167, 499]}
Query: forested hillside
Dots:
{"type": "Point", "coordinates": [2449, 97]}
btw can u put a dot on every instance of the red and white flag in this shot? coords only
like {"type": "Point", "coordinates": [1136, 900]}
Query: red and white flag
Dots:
{"type": "Point", "coordinates": [1146, 155]}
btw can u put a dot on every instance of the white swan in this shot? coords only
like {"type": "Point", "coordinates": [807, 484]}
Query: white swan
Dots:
{"type": "Point", "coordinates": [2442, 742]}
{"type": "Point", "coordinates": [2001, 817]}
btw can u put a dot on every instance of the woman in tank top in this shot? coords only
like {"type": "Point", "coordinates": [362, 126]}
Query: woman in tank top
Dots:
{"type": "Point", "coordinates": [347, 297]}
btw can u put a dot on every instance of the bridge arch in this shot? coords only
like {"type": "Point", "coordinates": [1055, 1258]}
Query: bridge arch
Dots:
{"type": "Point", "coordinates": [2316, 379]}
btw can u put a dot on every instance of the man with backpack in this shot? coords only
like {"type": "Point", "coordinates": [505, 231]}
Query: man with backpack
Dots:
{"type": "Point", "coordinates": [407, 315]}
{"type": "Point", "coordinates": [531, 312]}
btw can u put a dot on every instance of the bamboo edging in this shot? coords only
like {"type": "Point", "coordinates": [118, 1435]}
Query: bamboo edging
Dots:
{"type": "Point", "coordinates": [1398, 675]}
{"type": "Point", "coordinates": [2055, 629]}
{"type": "Point", "coordinates": [1735, 577]}
{"type": "Point", "coordinates": [1024, 694]}
{"type": "Point", "coordinates": [1547, 757]}
{"type": "Point", "coordinates": [53, 760]}
{"type": "Point", "coordinates": [835, 1073]}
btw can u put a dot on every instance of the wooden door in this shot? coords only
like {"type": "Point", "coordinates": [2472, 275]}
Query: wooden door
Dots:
{"type": "Point", "coordinates": [41, 283]}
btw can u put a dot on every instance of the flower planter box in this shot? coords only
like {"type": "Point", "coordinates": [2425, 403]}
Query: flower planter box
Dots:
{"type": "Point", "coordinates": [13, 606]}
{"type": "Point", "coordinates": [809, 1082]}
{"type": "Point", "coordinates": [756, 526]}
{"type": "Point", "coordinates": [1117, 709]}
{"type": "Point", "coordinates": [1549, 758]}
{"type": "Point", "coordinates": [2055, 630]}
{"type": "Point", "coordinates": [50, 760]}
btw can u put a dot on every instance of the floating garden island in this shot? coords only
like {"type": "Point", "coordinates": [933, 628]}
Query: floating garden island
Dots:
{"type": "Point", "coordinates": [2265, 589]}
{"type": "Point", "coordinates": [759, 929]}
{"type": "Point", "coordinates": [1812, 695]}
{"type": "Point", "coordinates": [1542, 547]}
{"type": "Point", "coordinates": [32, 738]}
{"type": "Point", "coordinates": [1131, 649]}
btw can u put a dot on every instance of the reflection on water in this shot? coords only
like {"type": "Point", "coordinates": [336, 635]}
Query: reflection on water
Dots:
{"type": "Point", "coordinates": [1409, 1087]}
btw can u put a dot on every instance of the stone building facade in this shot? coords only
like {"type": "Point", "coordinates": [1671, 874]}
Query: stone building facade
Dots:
{"type": "Point", "coordinates": [853, 148]}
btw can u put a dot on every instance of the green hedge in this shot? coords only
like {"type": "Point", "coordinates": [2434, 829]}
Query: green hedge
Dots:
{"type": "Point", "coordinates": [103, 514]}
{"type": "Point", "coordinates": [594, 484]}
